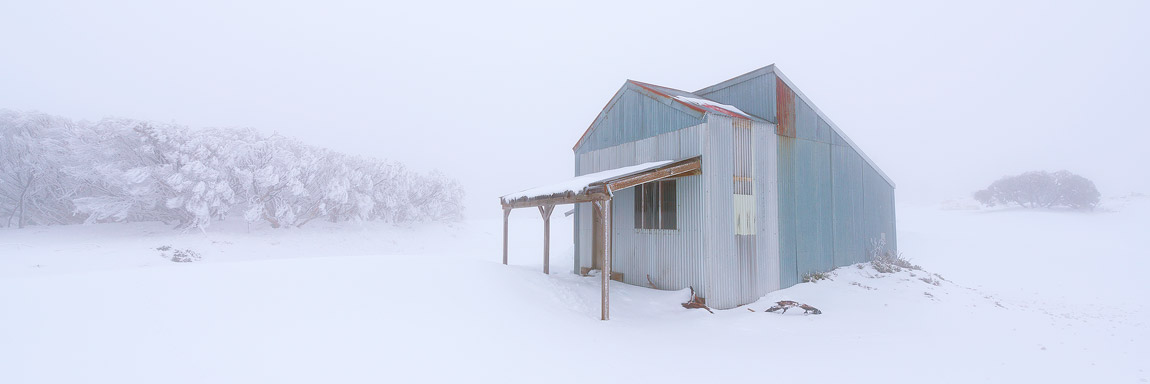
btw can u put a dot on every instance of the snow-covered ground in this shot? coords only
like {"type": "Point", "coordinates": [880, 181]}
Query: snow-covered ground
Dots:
{"type": "Point", "coordinates": [1028, 296]}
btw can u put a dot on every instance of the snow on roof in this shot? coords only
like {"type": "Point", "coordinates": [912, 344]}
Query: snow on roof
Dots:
{"type": "Point", "coordinates": [580, 184]}
{"type": "Point", "coordinates": [693, 100]}
{"type": "Point", "coordinates": [708, 104]}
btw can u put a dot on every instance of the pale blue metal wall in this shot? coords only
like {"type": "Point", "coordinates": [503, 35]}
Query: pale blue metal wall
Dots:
{"type": "Point", "coordinates": [634, 114]}
{"type": "Point", "coordinates": [832, 200]}
{"type": "Point", "coordinates": [753, 93]}
{"type": "Point", "coordinates": [788, 227]}
{"type": "Point", "coordinates": [767, 208]}
{"type": "Point", "coordinates": [847, 174]}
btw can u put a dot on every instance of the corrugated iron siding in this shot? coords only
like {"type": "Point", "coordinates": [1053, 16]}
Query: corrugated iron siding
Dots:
{"type": "Point", "coordinates": [634, 115]}
{"type": "Point", "coordinates": [785, 108]}
{"type": "Point", "coordinates": [878, 209]}
{"type": "Point", "coordinates": [673, 258]}
{"type": "Point", "coordinates": [831, 202]}
{"type": "Point", "coordinates": [720, 252]}
{"type": "Point", "coordinates": [788, 228]}
{"type": "Point", "coordinates": [846, 169]}
{"type": "Point", "coordinates": [813, 206]}
{"type": "Point", "coordinates": [740, 268]}
{"type": "Point", "coordinates": [806, 121]}
{"type": "Point", "coordinates": [755, 96]}
{"type": "Point", "coordinates": [823, 131]}
{"type": "Point", "coordinates": [767, 208]}
{"type": "Point", "coordinates": [836, 139]}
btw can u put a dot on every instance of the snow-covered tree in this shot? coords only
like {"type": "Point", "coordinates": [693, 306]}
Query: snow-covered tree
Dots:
{"type": "Point", "coordinates": [1076, 191]}
{"type": "Point", "coordinates": [33, 190]}
{"type": "Point", "coordinates": [54, 171]}
{"type": "Point", "coordinates": [1041, 189]}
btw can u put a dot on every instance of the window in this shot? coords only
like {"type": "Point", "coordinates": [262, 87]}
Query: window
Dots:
{"type": "Point", "coordinates": [655, 205]}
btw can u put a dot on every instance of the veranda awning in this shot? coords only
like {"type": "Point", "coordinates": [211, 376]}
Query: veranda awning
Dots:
{"type": "Point", "coordinates": [595, 187]}
{"type": "Point", "coordinates": [600, 185]}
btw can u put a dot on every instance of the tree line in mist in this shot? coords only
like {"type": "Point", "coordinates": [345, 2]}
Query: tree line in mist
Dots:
{"type": "Point", "coordinates": [57, 171]}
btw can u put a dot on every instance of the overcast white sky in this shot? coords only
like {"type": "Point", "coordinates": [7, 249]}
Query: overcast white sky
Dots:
{"type": "Point", "coordinates": [944, 97]}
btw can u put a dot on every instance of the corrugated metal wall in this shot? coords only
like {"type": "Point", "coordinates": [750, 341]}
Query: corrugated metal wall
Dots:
{"type": "Point", "coordinates": [756, 93]}
{"type": "Point", "coordinates": [831, 200]}
{"type": "Point", "coordinates": [878, 209]}
{"type": "Point", "coordinates": [635, 114]}
{"type": "Point", "coordinates": [784, 108]}
{"type": "Point", "coordinates": [813, 205]}
{"type": "Point", "coordinates": [673, 258]}
{"type": "Point", "coordinates": [846, 168]}
{"type": "Point", "coordinates": [788, 227]}
{"type": "Point", "coordinates": [767, 212]}
{"type": "Point", "coordinates": [725, 280]}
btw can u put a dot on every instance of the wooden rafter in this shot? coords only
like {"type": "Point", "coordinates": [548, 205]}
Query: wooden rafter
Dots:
{"type": "Point", "coordinates": [569, 198]}
{"type": "Point", "coordinates": [678, 169]}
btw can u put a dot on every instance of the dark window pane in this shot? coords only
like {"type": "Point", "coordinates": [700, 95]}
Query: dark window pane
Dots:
{"type": "Point", "coordinates": [667, 204]}
{"type": "Point", "coordinates": [651, 206]}
{"type": "Point", "coordinates": [638, 206]}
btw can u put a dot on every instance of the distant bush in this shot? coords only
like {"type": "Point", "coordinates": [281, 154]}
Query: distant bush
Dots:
{"type": "Point", "coordinates": [57, 171]}
{"type": "Point", "coordinates": [1041, 189]}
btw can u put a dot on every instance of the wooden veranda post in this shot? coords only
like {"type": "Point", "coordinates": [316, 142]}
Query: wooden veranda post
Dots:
{"type": "Point", "coordinates": [546, 210]}
{"type": "Point", "coordinates": [506, 212]}
{"type": "Point", "coordinates": [605, 205]}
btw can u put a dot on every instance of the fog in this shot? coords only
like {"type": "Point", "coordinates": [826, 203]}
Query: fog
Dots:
{"type": "Point", "coordinates": [945, 98]}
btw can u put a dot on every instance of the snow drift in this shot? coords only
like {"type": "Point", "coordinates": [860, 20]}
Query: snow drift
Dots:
{"type": "Point", "coordinates": [1005, 296]}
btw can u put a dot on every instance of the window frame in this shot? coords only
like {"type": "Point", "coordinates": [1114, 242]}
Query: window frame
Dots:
{"type": "Point", "coordinates": [656, 205]}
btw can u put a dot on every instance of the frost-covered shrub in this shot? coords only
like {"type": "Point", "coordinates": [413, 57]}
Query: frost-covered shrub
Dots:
{"type": "Point", "coordinates": [54, 171]}
{"type": "Point", "coordinates": [178, 255]}
{"type": "Point", "coordinates": [185, 256]}
{"type": "Point", "coordinates": [814, 277]}
{"type": "Point", "coordinates": [884, 260]}
{"type": "Point", "coordinates": [1041, 189]}
{"type": "Point", "coordinates": [140, 171]}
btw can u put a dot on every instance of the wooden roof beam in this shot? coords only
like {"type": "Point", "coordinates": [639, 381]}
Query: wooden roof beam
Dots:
{"type": "Point", "coordinates": [689, 167]}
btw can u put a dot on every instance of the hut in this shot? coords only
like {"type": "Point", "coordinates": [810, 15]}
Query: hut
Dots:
{"type": "Point", "coordinates": [737, 189]}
